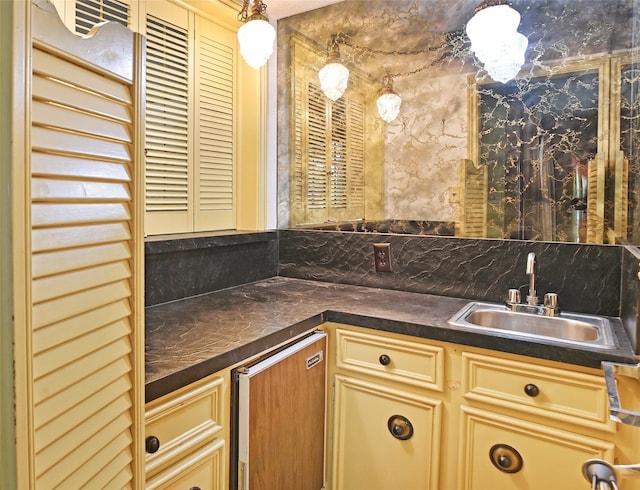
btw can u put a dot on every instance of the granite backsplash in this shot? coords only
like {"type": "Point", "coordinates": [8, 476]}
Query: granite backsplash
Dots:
{"type": "Point", "coordinates": [586, 277]}
{"type": "Point", "coordinates": [181, 266]}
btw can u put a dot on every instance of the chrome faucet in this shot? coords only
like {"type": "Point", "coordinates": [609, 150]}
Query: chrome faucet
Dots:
{"type": "Point", "coordinates": [532, 299]}
{"type": "Point", "coordinates": [532, 305]}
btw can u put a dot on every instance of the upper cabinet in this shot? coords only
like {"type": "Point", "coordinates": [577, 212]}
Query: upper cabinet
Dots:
{"type": "Point", "coordinates": [205, 108]}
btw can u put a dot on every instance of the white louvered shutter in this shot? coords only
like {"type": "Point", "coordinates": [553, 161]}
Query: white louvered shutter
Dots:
{"type": "Point", "coordinates": [329, 140]}
{"type": "Point", "coordinates": [338, 158]}
{"type": "Point", "coordinates": [356, 150]}
{"type": "Point", "coordinates": [84, 337]}
{"type": "Point", "coordinates": [88, 13]}
{"type": "Point", "coordinates": [214, 160]}
{"type": "Point", "coordinates": [317, 153]}
{"type": "Point", "coordinates": [168, 177]}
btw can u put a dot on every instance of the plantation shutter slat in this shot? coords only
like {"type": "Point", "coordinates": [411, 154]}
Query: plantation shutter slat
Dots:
{"type": "Point", "coordinates": [69, 166]}
{"type": "Point", "coordinates": [55, 238]}
{"type": "Point", "coordinates": [62, 94]}
{"type": "Point", "coordinates": [52, 189]}
{"type": "Point", "coordinates": [62, 284]}
{"type": "Point", "coordinates": [82, 324]}
{"type": "Point", "coordinates": [83, 335]}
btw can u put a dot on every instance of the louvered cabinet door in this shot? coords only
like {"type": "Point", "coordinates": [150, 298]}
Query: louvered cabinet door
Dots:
{"type": "Point", "coordinates": [215, 122]}
{"type": "Point", "coordinates": [79, 354]}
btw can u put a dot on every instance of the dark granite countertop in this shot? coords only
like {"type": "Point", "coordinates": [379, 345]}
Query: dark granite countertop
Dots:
{"type": "Point", "coordinates": [194, 337]}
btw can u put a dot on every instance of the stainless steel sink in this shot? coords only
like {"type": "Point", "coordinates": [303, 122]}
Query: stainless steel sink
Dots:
{"type": "Point", "coordinates": [572, 328]}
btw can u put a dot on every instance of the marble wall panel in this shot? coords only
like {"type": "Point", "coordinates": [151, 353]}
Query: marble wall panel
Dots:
{"type": "Point", "coordinates": [424, 147]}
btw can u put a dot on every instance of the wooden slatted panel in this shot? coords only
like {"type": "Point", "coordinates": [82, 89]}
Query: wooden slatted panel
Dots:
{"type": "Point", "coordinates": [317, 149]}
{"type": "Point", "coordinates": [621, 195]}
{"type": "Point", "coordinates": [88, 13]}
{"type": "Point", "coordinates": [356, 153]}
{"type": "Point", "coordinates": [298, 167]}
{"type": "Point", "coordinates": [167, 109]}
{"type": "Point", "coordinates": [328, 155]}
{"type": "Point", "coordinates": [473, 200]}
{"type": "Point", "coordinates": [595, 200]}
{"type": "Point", "coordinates": [82, 321]}
{"type": "Point", "coordinates": [339, 157]}
{"type": "Point", "coordinates": [214, 130]}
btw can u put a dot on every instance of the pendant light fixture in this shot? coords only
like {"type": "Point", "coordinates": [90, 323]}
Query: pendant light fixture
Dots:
{"type": "Point", "coordinates": [389, 102]}
{"type": "Point", "coordinates": [495, 40]}
{"type": "Point", "coordinates": [256, 36]}
{"type": "Point", "coordinates": [334, 76]}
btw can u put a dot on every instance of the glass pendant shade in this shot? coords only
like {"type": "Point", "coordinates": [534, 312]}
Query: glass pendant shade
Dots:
{"type": "Point", "coordinates": [389, 106]}
{"type": "Point", "coordinates": [507, 58]}
{"type": "Point", "coordinates": [496, 42]}
{"type": "Point", "coordinates": [256, 38]}
{"type": "Point", "coordinates": [333, 79]}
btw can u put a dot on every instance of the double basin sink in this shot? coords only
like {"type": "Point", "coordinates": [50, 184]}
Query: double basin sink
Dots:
{"type": "Point", "coordinates": [570, 328]}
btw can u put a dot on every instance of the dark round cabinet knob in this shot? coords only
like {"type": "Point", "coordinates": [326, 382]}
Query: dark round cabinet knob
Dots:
{"type": "Point", "coordinates": [505, 458]}
{"type": "Point", "coordinates": [194, 488]}
{"type": "Point", "coordinates": [384, 360]}
{"type": "Point", "coordinates": [400, 427]}
{"type": "Point", "coordinates": [504, 461]}
{"type": "Point", "coordinates": [531, 390]}
{"type": "Point", "coordinates": [152, 444]}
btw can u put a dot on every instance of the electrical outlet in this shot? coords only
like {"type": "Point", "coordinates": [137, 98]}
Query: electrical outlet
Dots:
{"type": "Point", "coordinates": [382, 257]}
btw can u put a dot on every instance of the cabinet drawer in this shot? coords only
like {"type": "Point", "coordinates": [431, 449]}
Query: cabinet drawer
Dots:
{"type": "Point", "coordinates": [183, 421]}
{"type": "Point", "coordinates": [503, 452]}
{"type": "Point", "coordinates": [391, 358]}
{"type": "Point", "coordinates": [201, 469]}
{"type": "Point", "coordinates": [552, 393]}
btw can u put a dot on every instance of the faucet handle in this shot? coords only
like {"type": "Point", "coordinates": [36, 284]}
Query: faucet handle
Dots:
{"type": "Point", "coordinates": [551, 300]}
{"type": "Point", "coordinates": [550, 304]}
{"type": "Point", "coordinates": [513, 296]}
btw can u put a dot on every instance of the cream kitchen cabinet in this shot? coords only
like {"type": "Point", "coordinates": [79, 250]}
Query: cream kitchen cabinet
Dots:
{"type": "Point", "coordinates": [527, 425]}
{"type": "Point", "coordinates": [77, 253]}
{"type": "Point", "coordinates": [387, 413]}
{"type": "Point", "coordinates": [481, 419]}
{"type": "Point", "coordinates": [187, 436]}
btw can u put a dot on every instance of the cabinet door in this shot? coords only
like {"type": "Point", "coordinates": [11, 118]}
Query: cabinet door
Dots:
{"type": "Point", "coordinates": [203, 469]}
{"type": "Point", "coordinates": [79, 255]}
{"type": "Point", "coordinates": [367, 454]}
{"type": "Point", "coordinates": [503, 452]}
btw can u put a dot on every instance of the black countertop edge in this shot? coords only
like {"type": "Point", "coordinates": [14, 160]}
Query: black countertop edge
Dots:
{"type": "Point", "coordinates": [578, 355]}
{"type": "Point", "coordinates": [162, 386]}
{"type": "Point", "coordinates": [544, 350]}
{"type": "Point", "coordinates": [193, 241]}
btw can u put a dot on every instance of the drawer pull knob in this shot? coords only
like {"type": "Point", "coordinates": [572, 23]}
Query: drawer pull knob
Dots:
{"type": "Point", "coordinates": [505, 458]}
{"type": "Point", "coordinates": [152, 444]}
{"type": "Point", "coordinates": [400, 427]}
{"type": "Point", "coordinates": [194, 488]}
{"type": "Point", "coordinates": [531, 390]}
{"type": "Point", "coordinates": [385, 360]}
